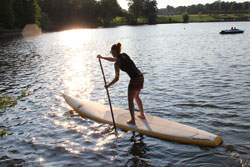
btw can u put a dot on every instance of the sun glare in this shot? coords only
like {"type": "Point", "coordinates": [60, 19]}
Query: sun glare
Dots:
{"type": "Point", "coordinates": [76, 38]}
{"type": "Point", "coordinates": [77, 77]}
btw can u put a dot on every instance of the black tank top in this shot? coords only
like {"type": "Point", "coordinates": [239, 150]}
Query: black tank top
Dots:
{"type": "Point", "coordinates": [127, 65]}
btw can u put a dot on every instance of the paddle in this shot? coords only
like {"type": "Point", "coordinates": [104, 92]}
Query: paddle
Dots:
{"type": "Point", "coordinates": [110, 105]}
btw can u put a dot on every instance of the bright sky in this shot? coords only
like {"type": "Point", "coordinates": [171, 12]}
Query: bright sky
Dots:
{"type": "Point", "coordinates": [175, 3]}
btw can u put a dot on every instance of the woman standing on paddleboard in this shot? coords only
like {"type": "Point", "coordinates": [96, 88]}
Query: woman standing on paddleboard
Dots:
{"type": "Point", "coordinates": [123, 62]}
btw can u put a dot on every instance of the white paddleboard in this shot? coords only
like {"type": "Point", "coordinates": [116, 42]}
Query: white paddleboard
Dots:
{"type": "Point", "coordinates": [151, 126]}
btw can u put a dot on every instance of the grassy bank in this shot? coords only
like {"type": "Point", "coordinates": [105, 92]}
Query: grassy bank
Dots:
{"type": "Point", "coordinates": [192, 18]}
{"type": "Point", "coordinates": [221, 17]}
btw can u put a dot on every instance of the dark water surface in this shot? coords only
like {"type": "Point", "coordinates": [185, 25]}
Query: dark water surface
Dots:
{"type": "Point", "coordinates": [193, 76]}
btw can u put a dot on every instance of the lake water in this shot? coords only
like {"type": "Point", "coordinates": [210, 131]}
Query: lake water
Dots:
{"type": "Point", "coordinates": [193, 75]}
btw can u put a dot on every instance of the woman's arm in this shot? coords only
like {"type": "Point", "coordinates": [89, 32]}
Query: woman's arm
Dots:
{"type": "Point", "coordinates": [111, 59]}
{"type": "Point", "coordinates": [117, 76]}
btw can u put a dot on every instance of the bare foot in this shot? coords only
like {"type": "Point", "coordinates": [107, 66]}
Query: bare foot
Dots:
{"type": "Point", "coordinates": [142, 116]}
{"type": "Point", "coordinates": [131, 122]}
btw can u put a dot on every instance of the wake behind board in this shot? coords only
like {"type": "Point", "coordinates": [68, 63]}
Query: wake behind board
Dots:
{"type": "Point", "coordinates": [151, 126]}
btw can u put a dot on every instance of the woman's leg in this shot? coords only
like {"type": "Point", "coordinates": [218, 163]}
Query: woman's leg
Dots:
{"type": "Point", "coordinates": [139, 103]}
{"type": "Point", "coordinates": [131, 95]}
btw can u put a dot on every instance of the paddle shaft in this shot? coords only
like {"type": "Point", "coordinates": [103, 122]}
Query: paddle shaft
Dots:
{"type": "Point", "coordinates": [110, 105]}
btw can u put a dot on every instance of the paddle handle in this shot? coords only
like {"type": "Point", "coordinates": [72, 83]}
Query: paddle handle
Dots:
{"type": "Point", "coordinates": [110, 105]}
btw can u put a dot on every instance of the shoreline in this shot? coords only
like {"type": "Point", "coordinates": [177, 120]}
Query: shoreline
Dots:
{"type": "Point", "coordinates": [12, 34]}
{"type": "Point", "coordinates": [4, 35]}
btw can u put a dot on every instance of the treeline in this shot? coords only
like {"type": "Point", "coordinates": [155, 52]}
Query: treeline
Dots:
{"type": "Point", "coordinates": [217, 7]}
{"type": "Point", "coordinates": [17, 13]}
{"type": "Point", "coordinates": [61, 14]}
{"type": "Point", "coordinates": [77, 13]}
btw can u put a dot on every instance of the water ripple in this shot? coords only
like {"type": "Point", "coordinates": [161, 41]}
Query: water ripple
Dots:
{"type": "Point", "coordinates": [190, 77]}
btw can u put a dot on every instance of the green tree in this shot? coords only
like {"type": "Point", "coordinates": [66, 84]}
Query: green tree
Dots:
{"type": "Point", "coordinates": [135, 9]}
{"type": "Point", "coordinates": [150, 10]}
{"type": "Point", "coordinates": [18, 7]}
{"type": "Point", "coordinates": [244, 7]}
{"type": "Point", "coordinates": [215, 6]}
{"type": "Point", "coordinates": [89, 11]}
{"type": "Point", "coordinates": [26, 12]}
{"type": "Point", "coordinates": [185, 17]}
{"type": "Point", "coordinates": [45, 21]}
{"type": "Point", "coordinates": [59, 12]}
{"type": "Point", "coordinates": [142, 8]}
{"type": "Point", "coordinates": [222, 7]}
{"type": "Point", "coordinates": [32, 13]}
{"type": "Point", "coordinates": [6, 14]}
{"type": "Point", "coordinates": [233, 7]}
{"type": "Point", "coordinates": [109, 10]}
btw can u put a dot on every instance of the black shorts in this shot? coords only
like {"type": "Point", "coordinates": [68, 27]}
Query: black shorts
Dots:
{"type": "Point", "coordinates": [136, 83]}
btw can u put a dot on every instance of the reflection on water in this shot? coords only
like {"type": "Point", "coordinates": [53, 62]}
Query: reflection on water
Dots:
{"type": "Point", "coordinates": [77, 74]}
{"type": "Point", "coordinates": [192, 75]}
{"type": "Point", "coordinates": [138, 151]}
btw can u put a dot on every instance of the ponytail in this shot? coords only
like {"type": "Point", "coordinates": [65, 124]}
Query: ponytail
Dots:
{"type": "Point", "coordinates": [117, 47]}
